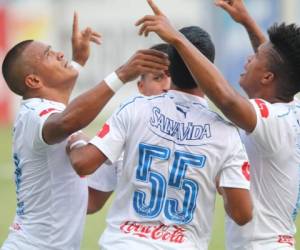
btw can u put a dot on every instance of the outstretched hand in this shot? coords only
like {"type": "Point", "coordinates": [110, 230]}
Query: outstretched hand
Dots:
{"type": "Point", "coordinates": [157, 23]}
{"type": "Point", "coordinates": [81, 41]}
{"type": "Point", "coordinates": [235, 8]}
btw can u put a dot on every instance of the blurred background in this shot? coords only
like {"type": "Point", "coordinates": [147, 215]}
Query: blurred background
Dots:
{"type": "Point", "coordinates": [51, 21]}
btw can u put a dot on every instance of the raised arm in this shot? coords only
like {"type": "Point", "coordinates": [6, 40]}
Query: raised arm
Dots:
{"type": "Point", "coordinates": [83, 109]}
{"type": "Point", "coordinates": [238, 12]}
{"type": "Point", "coordinates": [81, 41]}
{"type": "Point", "coordinates": [235, 107]}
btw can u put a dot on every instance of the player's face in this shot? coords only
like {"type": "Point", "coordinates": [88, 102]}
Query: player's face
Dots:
{"type": "Point", "coordinates": [151, 84]}
{"type": "Point", "coordinates": [51, 66]}
{"type": "Point", "coordinates": [255, 70]}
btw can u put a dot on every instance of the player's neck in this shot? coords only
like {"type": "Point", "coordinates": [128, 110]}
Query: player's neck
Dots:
{"type": "Point", "coordinates": [195, 91]}
{"type": "Point", "coordinates": [52, 95]}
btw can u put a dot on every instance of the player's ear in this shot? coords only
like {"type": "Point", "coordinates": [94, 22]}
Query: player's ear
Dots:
{"type": "Point", "coordinates": [140, 85]}
{"type": "Point", "coordinates": [32, 81]}
{"type": "Point", "coordinates": [268, 78]}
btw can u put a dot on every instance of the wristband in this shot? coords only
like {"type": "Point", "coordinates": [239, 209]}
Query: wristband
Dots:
{"type": "Point", "coordinates": [113, 82]}
{"type": "Point", "coordinates": [78, 144]}
{"type": "Point", "coordinates": [76, 66]}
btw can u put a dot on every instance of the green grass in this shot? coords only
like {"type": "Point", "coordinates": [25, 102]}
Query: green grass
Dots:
{"type": "Point", "coordinates": [95, 224]}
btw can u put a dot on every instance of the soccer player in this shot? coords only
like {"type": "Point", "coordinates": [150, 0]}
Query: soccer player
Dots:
{"type": "Point", "coordinates": [51, 197]}
{"type": "Point", "coordinates": [104, 180]}
{"type": "Point", "coordinates": [270, 119]}
{"type": "Point", "coordinates": [175, 149]}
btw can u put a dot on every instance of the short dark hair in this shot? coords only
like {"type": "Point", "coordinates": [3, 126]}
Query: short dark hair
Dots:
{"type": "Point", "coordinates": [162, 47]}
{"type": "Point", "coordinates": [285, 39]}
{"type": "Point", "coordinates": [10, 69]}
{"type": "Point", "coordinates": [180, 75]}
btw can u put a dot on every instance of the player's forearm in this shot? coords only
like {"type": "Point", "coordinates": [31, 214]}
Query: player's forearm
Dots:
{"type": "Point", "coordinates": [97, 200]}
{"type": "Point", "coordinates": [83, 109]}
{"type": "Point", "coordinates": [206, 75]}
{"type": "Point", "coordinates": [86, 160]}
{"type": "Point", "coordinates": [255, 34]}
{"type": "Point", "coordinates": [238, 205]}
{"type": "Point", "coordinates": [78, 114]}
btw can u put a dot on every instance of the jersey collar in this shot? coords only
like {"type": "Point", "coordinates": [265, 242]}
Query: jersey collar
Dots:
{"type": "Point", "coordinates": [188, 97]}
{"type": "Point", "coordinates": [39, 100]}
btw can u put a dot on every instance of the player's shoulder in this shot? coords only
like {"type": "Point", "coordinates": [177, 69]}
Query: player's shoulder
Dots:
{"type": "Point", "coordinates": [215, 117]}
{"type": "Point", "coordinates": [140, 102]}
{"type": "Point", "coordinates": [40, 107]}
{"type": "Point", "coordinates": [266, 109]}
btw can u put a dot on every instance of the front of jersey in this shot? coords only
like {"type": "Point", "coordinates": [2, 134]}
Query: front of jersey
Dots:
{"type": "Point", "coordinates": [51, 197]}
{"type": "Point", "coordinates": [174, 148]}
{"type": "Point", "coordinates": [274, 153]}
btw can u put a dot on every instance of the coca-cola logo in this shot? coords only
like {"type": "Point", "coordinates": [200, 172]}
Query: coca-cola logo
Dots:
{"type": "Point", "coordinates": [173, 233]}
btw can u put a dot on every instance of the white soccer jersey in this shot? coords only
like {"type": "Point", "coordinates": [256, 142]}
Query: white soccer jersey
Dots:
{"type": "Point", "coordinates": [106, 177]}
{"type": "Point", "coordinates": [51, 197]}
{"type": "Point", "coordinates": [274, 152]}
{"type": "Point", "coordinates": [174, 148]}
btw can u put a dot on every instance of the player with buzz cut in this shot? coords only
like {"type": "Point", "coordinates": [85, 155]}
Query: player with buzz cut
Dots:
{"type": "Point", "coordinates": [104, 181]}
{"type": "Point", "coordinates": [175, 150]}
{"type": "Point", "coordinates": [51, 197]}
{"type": "Point", "coordinates": [270, 120]}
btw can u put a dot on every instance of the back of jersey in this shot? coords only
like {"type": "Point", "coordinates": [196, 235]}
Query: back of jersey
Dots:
{"type": "Point", "coordinates": [174, 149]}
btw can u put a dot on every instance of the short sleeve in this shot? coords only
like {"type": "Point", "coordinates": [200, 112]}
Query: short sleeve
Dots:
{"type": "Point", "coordinates": [110, 140]}
{"type": "Point", "coordinates": [269, 127]}
{"type": "Point", "coordinates": [105, 178]}
{"type": "Point", "coordinates": [235, 172]}
{"type": "Point", "coordinates": [37, 118]}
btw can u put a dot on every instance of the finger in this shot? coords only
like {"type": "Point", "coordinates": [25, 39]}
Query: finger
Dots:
{"type": "Point", "coordinates": [224, 5]}
{"type": "Point", "coordinates": [145, 25]}
{"type": "Point", "coordinates": [146, 70]}
{"type": "Point", "coordinates": [157, 60]}
{"type": "Point", "coordinates": [154, 53]}
{"type": "Point", "coordinates": [95, 40]}
{"type": "Point", "coordinates": [154, 66]}
{"type": "Point", "coordinates": [75, 23]}
{"type": "Point", "coordinates": [96, 34]}
{"type": "Point", "coordinates": [87, 33]}
{"type": "Point", "coordinates": [150, 28]}
{"type": "Point", "coordinates": [155, 8]}
{"type": "Point", "coordinates": [145, 19]}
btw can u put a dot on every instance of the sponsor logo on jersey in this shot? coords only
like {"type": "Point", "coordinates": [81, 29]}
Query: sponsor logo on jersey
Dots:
{"type": "Point", "coordinates": [176, 131]}
{"type": "Point", "coordinates": [246, 170]}
{"type": "Point", "coordinates": [174, 234]}
{"type": "Point", "coordinates": [286, 239]}
{"type": "Point", "coordinates": [263, 108]}
{"type": "Point", "coordinates": [104, 131]}
{"type": "Point", "coordinates": [47, 111]}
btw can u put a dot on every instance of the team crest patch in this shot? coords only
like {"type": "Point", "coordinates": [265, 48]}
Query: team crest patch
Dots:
{"type": "Point", "coordinates": [246, 170]}
{"type": "Point", "coordinates": [263, 108]}
{"type": "Point", "coordinates": [104, 131]}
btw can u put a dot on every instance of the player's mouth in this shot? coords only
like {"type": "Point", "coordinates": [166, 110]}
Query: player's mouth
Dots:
{"type": "Point", "coordinates": [245, 71]}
